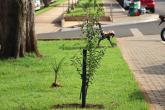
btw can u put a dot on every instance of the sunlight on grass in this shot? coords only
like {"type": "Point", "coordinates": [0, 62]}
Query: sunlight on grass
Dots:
{"type": "Point", "coordinates": [79, 11]}
{"type": "Point", "coordinates": [25, 83]}
{"type": "Point", "coordinates": [52, 5]}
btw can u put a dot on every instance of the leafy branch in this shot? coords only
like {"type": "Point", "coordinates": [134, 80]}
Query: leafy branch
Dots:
{"type": "Point", "coordinates": [91, 33]}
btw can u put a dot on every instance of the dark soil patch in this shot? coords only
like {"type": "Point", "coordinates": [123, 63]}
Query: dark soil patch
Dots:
{"type": "Point", "coordinates": [55, 85]}
{"type": "Point", "coordinates": [89, 106]}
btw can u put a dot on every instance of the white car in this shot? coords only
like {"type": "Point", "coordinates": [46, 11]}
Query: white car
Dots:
{"type": "Point", "coordinates": [126, 4]}
{"type": "Point", "coordinates": [37, 4]}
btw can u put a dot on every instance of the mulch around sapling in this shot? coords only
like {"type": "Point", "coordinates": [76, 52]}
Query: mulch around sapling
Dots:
{"type": "Point", "coordinates": [55, 85]}
{"type": "Point", "coordinates": [74, 106]}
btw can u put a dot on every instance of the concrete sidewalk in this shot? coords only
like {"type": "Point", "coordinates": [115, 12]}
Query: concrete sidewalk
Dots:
{"type": "Point", "coordinates": [146, 58]}
{"type": "Point", "coordinates": [113, 9]}
{"type": "Point", "coordinates": [50, 21]}
{"type": "Point", "coordinates": [119, 16]}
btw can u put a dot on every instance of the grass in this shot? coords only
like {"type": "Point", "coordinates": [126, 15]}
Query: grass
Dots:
{"type": "Point", "coordinates": [25, 83]}
{"type": "Point", "coordinates": [79, 11]}
{"type": "Point", "coordinates": [52, 5]}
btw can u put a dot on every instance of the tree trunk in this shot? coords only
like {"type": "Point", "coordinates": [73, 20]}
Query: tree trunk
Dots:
{"type": "Point", "coordinates": [46, 3]}
{"type": "Point", "coordinates": [17, 34]}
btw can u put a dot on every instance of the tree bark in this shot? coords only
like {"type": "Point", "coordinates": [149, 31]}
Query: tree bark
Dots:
{"type": "Point", "coordinates": [17, 34]}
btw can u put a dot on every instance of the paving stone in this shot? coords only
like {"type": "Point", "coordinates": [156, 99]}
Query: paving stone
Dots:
{"type": "Point", "coordinates": [147, 60]}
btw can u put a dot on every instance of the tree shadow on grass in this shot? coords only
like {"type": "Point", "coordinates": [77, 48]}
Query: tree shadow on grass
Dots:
{"type": "Point", "coordinates": [137, 95]}
{"type": "Point", "coordinates": [81, 47]}
{"type": "Point", "coordinates": [71, 48]}
{"type": "Point", "coordinates": [109, 46]}
{"type": "Point", "coordinates": [78, 46]}
{"type": "Point", "coordinates": [75, 106]}
{"type": "Point", "coordinates": [152, 97]}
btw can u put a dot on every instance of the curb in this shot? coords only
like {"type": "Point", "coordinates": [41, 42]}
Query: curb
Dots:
{"type": "Point", "coordinates": [133, 22]}
{"type": "Point", "coordinates": [116, 24]}
{"type": "Point", "coordinates": [163, 42]}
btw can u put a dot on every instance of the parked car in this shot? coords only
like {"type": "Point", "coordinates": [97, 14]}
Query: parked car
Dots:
{"type": "Point", "coordinates": [148, 4]}
{"type": "Point", "coordinates": [37, 4]}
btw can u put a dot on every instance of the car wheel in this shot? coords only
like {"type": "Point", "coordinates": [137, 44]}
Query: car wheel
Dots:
{"type": "Point", "coordinates": [163, 34]}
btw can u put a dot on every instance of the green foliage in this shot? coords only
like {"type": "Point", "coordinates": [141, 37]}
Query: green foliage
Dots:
{"type": "Point", "coordinates": [57, 65]}
{"type": "Point", "coordinates": [86, 5]}
{"type": "Point", "coordinates": [94, 55]}
{"type": "Point", "coordinates": [91, 33]}
{"type": "Point", "coordinates": [52, 5]}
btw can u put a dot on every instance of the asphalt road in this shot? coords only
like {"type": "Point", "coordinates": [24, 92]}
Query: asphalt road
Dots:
{"type": "Point", "coordinates": [149, 28]}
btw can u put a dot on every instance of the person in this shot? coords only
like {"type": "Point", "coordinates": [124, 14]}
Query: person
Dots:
{"type": "Point", "coordinates": [105, 35]}
{"type": "Point", "coordinates": [162, 18]}
{"type": "Point", "coordinates": [108, 36]}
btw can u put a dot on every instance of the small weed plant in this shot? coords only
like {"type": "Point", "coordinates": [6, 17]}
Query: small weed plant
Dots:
{"type": "Point", "coordinates": [57, 66]}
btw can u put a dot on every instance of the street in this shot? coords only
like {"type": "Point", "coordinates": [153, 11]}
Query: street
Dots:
{"type": "Point", "coordinates": [149, 28]}
{"type": "Point", "coordinates": [123, 30]}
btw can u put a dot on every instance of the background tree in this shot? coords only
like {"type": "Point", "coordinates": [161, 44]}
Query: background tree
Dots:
{"type": "Point", "coordinates": [17, 34]}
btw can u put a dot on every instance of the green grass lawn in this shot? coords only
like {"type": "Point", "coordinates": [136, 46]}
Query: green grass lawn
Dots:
{"type": "Point", "coordinates": [25, 83]}
{"type": "Point", "coordinates": [79, 11]}
{"type": "Point", "coordinates": [52, 5]}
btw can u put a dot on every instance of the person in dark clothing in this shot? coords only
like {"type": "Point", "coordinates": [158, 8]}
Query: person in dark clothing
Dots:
{"type": "Point", "coordinates": [104, 35]}
{"type": "Point", "coordinates": [107, 36]}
